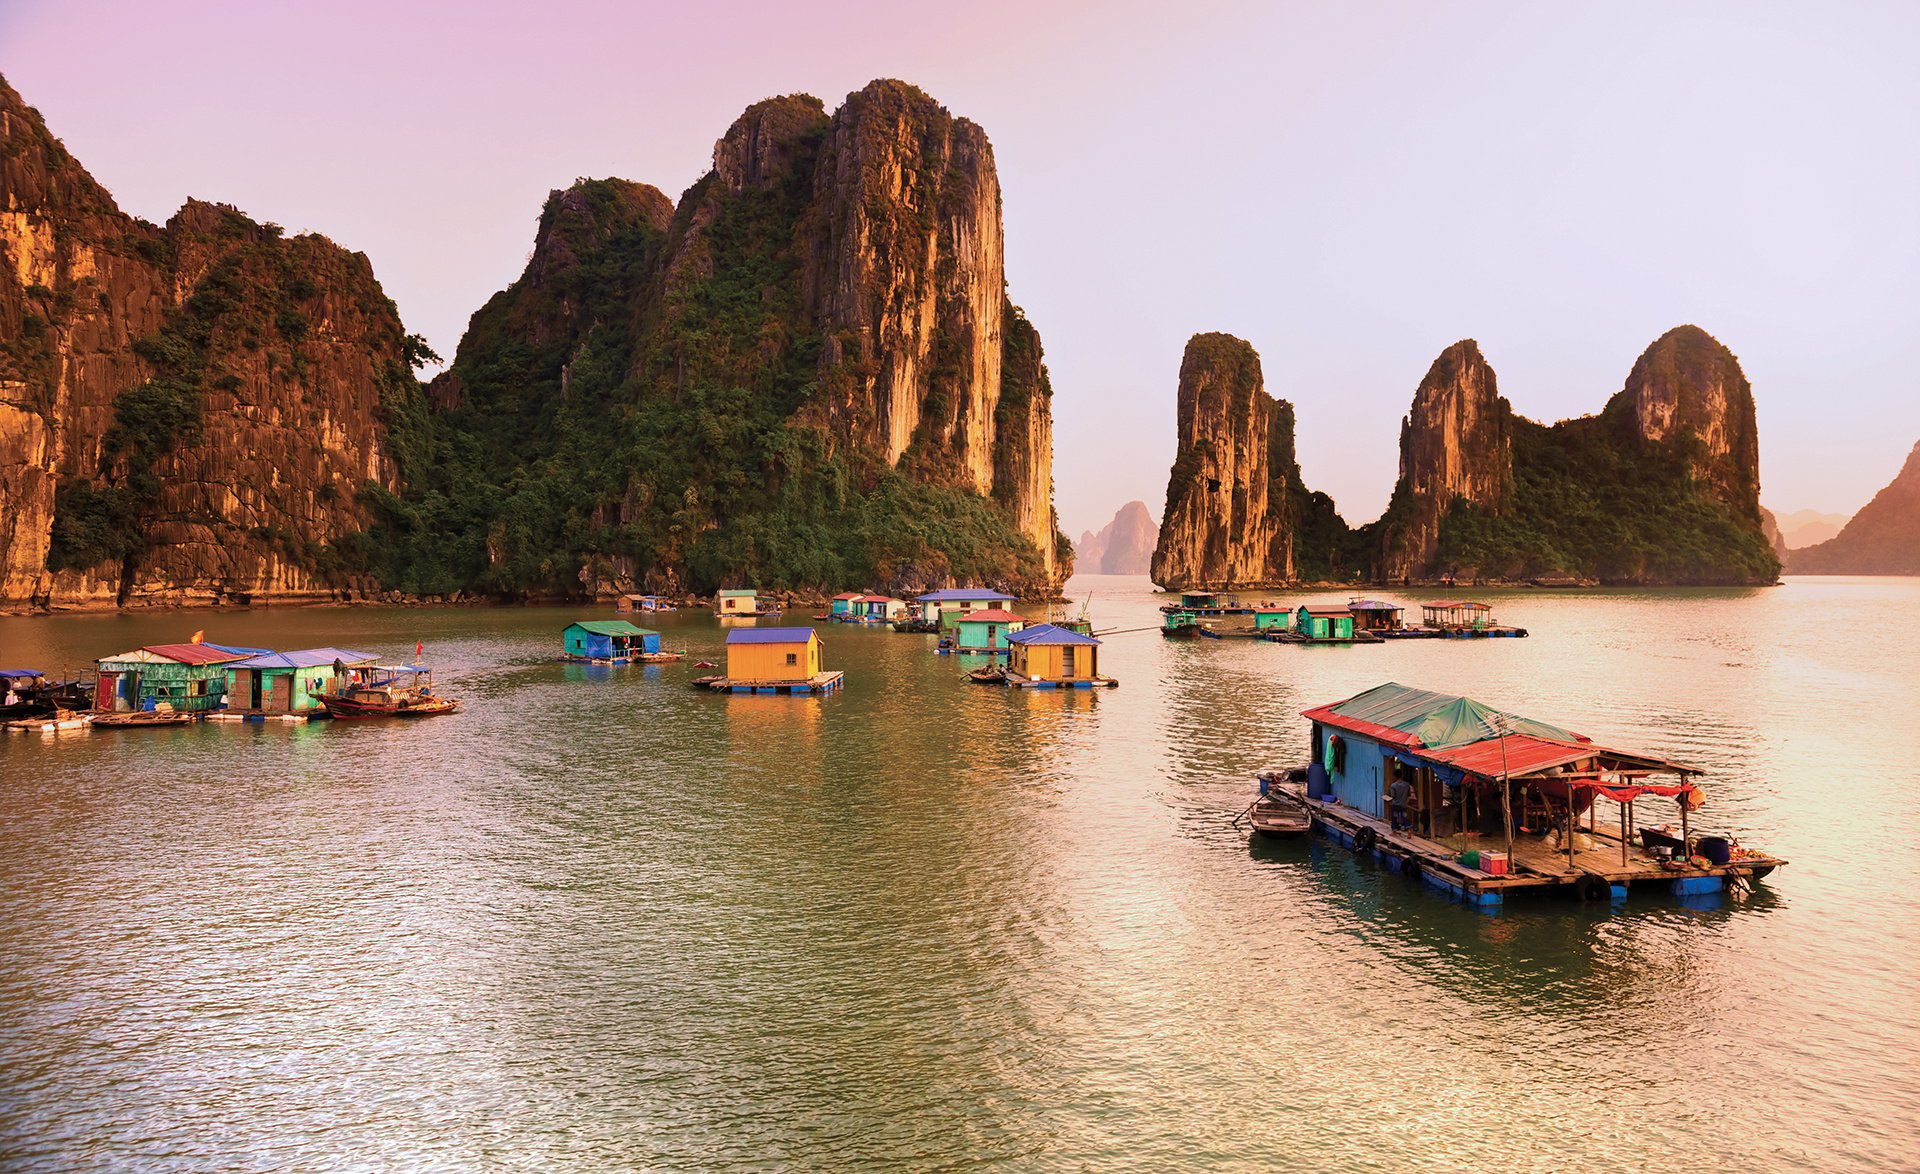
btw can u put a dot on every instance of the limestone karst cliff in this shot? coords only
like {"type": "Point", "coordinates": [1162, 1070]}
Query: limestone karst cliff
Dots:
{"type": "Point", "coordinates": [1236, 509]}
{"type": "Point", "coordinates": [807, 373]}
{"type": "Point", "coordinates": [1662, 486]}
{"type": "Point", "coordinates": [1454, 446]}
{"type": "Point", "coordinates": [1124, 546]}
{"type": "Point", "coordinates": [1882, 539]}
{"type": "Point", "coordinates": [188, 412]}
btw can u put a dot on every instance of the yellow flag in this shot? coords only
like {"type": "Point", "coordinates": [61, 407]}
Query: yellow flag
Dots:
{"type": "Point", "coordinates": [200, 637]}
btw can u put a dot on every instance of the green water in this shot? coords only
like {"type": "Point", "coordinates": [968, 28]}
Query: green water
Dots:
{"type": "Point", "coordinates": [600, 921]}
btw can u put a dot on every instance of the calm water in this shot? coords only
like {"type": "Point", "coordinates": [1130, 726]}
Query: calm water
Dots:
{"type": "Point", "coordinates": [602, 922]}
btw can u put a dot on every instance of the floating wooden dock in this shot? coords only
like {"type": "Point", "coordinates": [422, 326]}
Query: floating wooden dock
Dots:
{"type": "Point", "coordinates": [1292, 637]}
{"type": "Point", "coordinates": [821, 683]}
{"type": "Point", "coordinates": [1600, 873]}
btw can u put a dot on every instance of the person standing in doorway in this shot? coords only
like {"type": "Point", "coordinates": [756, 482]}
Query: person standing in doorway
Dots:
{"type": "Point", "coordinates": [1399, 795]}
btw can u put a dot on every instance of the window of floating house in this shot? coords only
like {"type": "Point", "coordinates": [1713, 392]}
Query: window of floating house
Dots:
{"type": "Point", "coordinates": [793, 658]}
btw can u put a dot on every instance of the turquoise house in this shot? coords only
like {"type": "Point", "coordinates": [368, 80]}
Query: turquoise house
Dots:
{"type": "Point", "coordinates": [841, 605]}
{"type": "Point", "coordinates": [275, 683]}
{"type": "Point", "coordinates": [1271, 619]}
{"type": "Point", "coordinates": [1324, 623]}
{"type": "Point", "coordinates": [986, 630]}
{"type": "Point", "coordinates": [610, 640]}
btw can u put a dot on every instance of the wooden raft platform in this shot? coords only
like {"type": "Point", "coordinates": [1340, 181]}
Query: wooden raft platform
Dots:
{"type": "Point", "coordinates": [823, 683]}
{"type": "Point", "coordinates": [1535, 865]}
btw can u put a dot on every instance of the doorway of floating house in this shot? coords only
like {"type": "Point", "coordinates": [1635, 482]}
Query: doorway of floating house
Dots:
{"type": "Point", "coordinates": [1066, 660]}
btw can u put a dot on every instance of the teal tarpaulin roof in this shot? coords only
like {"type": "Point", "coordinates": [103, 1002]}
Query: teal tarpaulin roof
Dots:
{"type": "Point", "coordinates": [611, 628]}
{"type": "Point", "coordinates": [1432, 720]}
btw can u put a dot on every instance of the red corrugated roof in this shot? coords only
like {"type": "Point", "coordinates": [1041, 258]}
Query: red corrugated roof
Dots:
{"type": "Point", "coordinates": [195, 653]}
{"type": "Point", "coordinates": [1326, 715]}
{"type": "Point", "coordinates": [990, 615]}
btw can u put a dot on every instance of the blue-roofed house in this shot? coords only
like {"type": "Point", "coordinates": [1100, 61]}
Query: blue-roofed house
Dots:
{"type": "Point", "coordinates": [945, 607]}
{"type": "Point", "coordinates": [276, 683]}
{"type": "Point", "coordinates": [1050, 655]}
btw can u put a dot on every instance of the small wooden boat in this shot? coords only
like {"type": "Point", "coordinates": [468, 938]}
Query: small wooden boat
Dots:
{"type": "Point", "coordinates": [372, 695]}
{"type": "Point", "coordinates": [991, 675]}
{"type": "Point", "coordinates": [1280, 819]}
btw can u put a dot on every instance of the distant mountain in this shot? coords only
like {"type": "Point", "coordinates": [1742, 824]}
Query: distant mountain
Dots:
{"type": "Point", "coordinates": [1123, 546]}
{"type": "Point", "coordinates": [1882, 539]}
{"type": "Point", "coordinates": [1807, 528]}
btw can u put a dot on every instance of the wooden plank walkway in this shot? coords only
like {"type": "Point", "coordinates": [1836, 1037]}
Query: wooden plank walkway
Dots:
{"type": "Point", "coordinates": [1535, 865]}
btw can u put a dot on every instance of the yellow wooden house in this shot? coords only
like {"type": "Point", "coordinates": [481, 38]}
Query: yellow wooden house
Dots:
{"type": "Point", "coordinates": [1050, 656]}
{"type": "Point", "coordinates": [775, 660]}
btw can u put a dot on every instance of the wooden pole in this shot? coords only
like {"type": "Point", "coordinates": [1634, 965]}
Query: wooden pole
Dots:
{"type": "Point", "coordinates": [1623, 835]}
{"type": "Point", "coordinates": [1506, 790]}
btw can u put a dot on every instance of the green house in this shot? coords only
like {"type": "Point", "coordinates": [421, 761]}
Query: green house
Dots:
{"type": "Point", "coordinates": [1324, 623]}
{"type": "Point", "coordinates": [986, 630]}
{"type": "Point", "coordinates": [1272, 619]}
{"type": "Point", "coordinates": [289, 682]}
{"type": "Point", "coordinates": [192, 678]}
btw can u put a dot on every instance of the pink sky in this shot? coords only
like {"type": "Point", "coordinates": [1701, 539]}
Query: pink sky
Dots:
{"type": "Point", "coordinates": [1350, 187]}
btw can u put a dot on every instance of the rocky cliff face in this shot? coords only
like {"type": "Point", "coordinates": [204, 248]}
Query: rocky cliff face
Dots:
{"type": "Point", "coordinates": [1124, 546]}
{"type": "Point", "coordinates": [187, 413]}
{"type": "Point", "coordinates": [1231, 516]}
{"type": "Point", "coordinates": [1661, 487]}
{"type": "Point", "coordinates": [1688, 390]}
{"type": "Point", "coordinates": [1882, 539]}
{"type": "Point", "coordinates": [806, 373]}
{"type": "Point", "coordinates": [1455, 445]}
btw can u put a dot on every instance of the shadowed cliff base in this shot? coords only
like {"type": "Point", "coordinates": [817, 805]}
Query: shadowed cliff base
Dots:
{"type": "Point", "coordinates": [1662, 487]}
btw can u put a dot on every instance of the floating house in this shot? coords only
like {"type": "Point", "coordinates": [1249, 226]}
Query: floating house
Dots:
{"type": "Point", "coordinates": [743, 601]}
{"type": "Point", "coordinates": [192, 678]}
{"type": "Point", "coordinates": [1324, 623]}
{"type": "Point", "coordinates": [1048, 656]}
{"type": "Point", "coordinates": [289, 684]}
{"type": "Point", "coordinates": [773, 660]}
{"type": "Point", "coordinates": [1207, 603]}
{"type": "Point", "coordinates": [1455, 613]}
{"type": "Point", "coordinates": [986, 630]}
{"type": "Point", "coordinates": [629, 604]}
{"type": "Point", "coordinates": [1376, 615]}
{"type": "Point", "coordinates": [877, 609]}
{"type": "Point", "coordinates": [944, 608]}
{"type": "Point", "coordinates": [609, 642]}
{"type": "Point", "coordinates": [1495, 802]}
{"type": "Point", "coordinates": [840, 607]}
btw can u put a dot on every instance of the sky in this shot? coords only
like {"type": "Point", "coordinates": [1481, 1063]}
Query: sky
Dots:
{"type": "Point", "coordinates": [1350, 187]}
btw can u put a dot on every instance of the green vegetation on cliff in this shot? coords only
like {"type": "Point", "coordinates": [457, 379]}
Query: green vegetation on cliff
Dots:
{"type": "Point", "coordinates": [632, 411]}
{"type": "Point", "coordinates": [1590, 500]}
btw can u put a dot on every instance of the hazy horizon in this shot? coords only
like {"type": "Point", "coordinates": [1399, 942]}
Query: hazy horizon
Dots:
{"type": "Point", "coordinates": [1349, 189]}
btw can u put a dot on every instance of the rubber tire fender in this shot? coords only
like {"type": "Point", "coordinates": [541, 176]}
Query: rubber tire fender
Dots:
{"type": "Point", "coordinates": [1364, 840]}
{"type": "Point", "coordinates": [1593, 887]}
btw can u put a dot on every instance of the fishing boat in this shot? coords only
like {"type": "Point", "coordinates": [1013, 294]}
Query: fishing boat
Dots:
{"type": "Point", "coordinates": [388, 691]}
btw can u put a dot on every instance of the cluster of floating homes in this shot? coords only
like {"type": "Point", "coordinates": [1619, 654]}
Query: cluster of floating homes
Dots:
{"type": "Point", "coordinates": [1358, 621]}
{"type": "Point", "coordinates": [1481, 803]}
{"type": "Point", "coordinates": [970, 621]}
{"type": "Point", "coordinates": [176, 684]}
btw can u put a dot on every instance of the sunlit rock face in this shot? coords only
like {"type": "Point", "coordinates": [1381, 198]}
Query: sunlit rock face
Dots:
{"type": "Point", "coordinates": [188, 412]}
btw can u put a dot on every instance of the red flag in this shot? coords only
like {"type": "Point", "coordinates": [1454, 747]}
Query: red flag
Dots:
{"type": "Point", "coordinates": [419, 647]}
